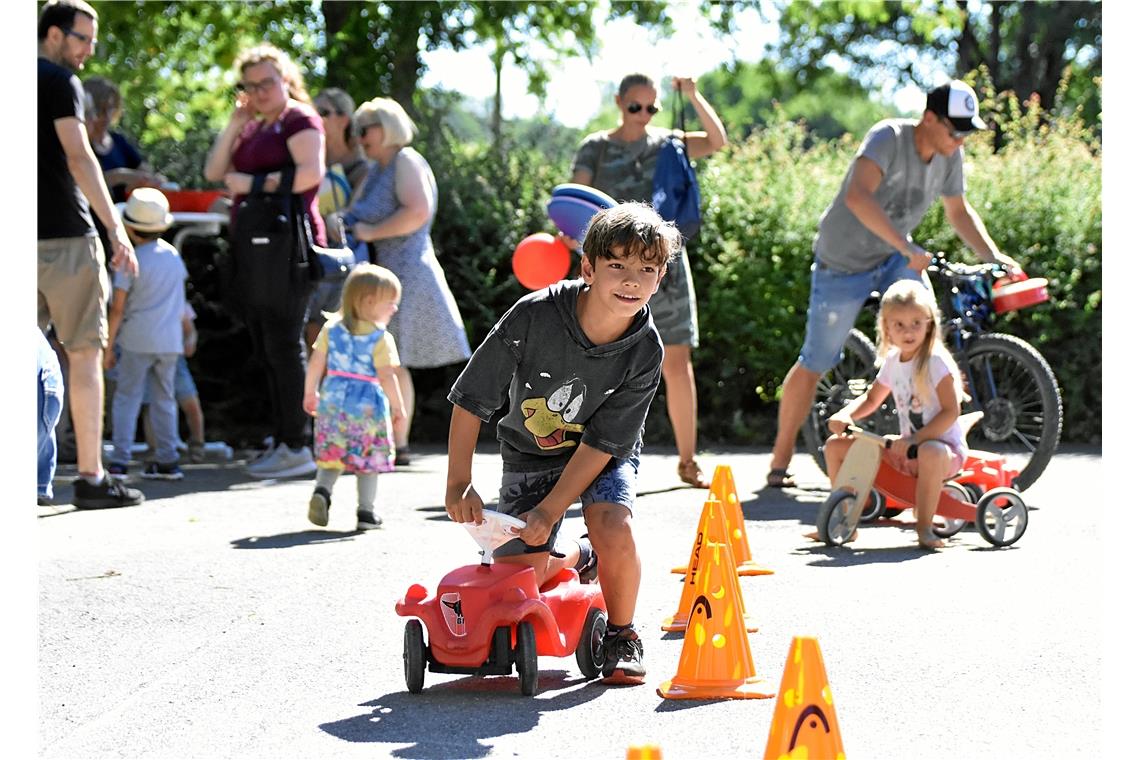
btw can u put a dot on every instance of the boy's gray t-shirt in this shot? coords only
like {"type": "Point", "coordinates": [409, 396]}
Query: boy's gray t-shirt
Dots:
{"type": "Point", "coordinates": [559, 388]}
{"type": "Point", "coordinates": [156, 299]}
{"type": "Point", "coordinates": [908, 189]}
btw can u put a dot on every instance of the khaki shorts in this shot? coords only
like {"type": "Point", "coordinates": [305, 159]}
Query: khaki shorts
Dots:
{"type": "Point", "coordinates": [73, 291]}
{"type": "Point", "coordinates": [674, 305]}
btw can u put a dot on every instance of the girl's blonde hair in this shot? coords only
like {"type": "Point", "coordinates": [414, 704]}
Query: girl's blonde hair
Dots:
{"type": "Point", "coordinates": [366, 280]}
{"type": "Point", "coordinates": [911, 293]}
{"type": "Point", "coordinates": [281, 61]}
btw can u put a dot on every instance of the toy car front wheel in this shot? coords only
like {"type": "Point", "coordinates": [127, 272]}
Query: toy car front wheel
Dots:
{"type": "Point", "coordinates": [526, 658]}
{"type": "Point", "coordinates": [1002, 516]}
{"type": "Point", "coordinates": [590, 655]}
{"type": "Point", "coordinates": [950, 525]}
{"type": "Point", "coordinates": [831, 520]}
{"type": "Point", "coordinates": [415, 656]}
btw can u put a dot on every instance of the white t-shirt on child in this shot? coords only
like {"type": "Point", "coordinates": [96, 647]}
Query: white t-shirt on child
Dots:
{"type": "Point", "coordinates": [898, 376]}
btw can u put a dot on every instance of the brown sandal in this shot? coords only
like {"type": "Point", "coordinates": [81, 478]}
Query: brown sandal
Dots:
{"type": "Point", "coordinates": [780, 478]}
{"type": "Point", "coordinates": [690, 473]}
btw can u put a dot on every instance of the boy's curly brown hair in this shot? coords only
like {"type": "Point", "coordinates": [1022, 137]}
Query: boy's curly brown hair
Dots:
{"type": "Point", "coordinates": [637, 229]}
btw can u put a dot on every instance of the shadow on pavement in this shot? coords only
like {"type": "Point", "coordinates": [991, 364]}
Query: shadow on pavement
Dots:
{"type": "Point", "coordinates": [299, 538]}
{"type": "Point", "coordinates": [440, 724]}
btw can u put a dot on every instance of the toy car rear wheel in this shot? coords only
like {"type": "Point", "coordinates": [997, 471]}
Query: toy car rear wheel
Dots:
{"type": "Point", "coordinates": [1002, 516]}
{"type": "Point", "coordinates": [950, 525]}
{"type": "Point", "coordinates": [891, 514]}
{"type": "Point", "coordinates": [831, 520]}
{"type": "Point", "coordinates": [589, 652]}
{"type": "Point", "coordinates": [415, 656]}
{"type": "Point", "coordinates": [876, 505]}
{"type": "Point", "coordinates": [526, 658]}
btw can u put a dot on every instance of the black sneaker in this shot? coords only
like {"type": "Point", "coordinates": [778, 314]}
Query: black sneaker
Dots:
{"type": "Point", "coordinates": [403, 457]}
{"type": "Point", "coordinates": [367, 520]}
{"type": "Point", "coordinates": [319, 504]}
{"type": "Point", "coordinates": [587, 566]}
{"type": "Point", "coordinates": [157, 471]}
{"type": "Point", "coordinates": [106, 495]}
{"type": "Point", "coordinates": [623, 657]}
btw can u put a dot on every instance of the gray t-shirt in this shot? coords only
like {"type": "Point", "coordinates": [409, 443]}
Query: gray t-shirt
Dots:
{"type": "Point", "coordinates": [908, 189]}
{"type": "Point", "coordinates": [560, 388]}
{"type": "Point", "coordinates": [156, 300]}
{"type": "Point", "coordinates": [625, 169]}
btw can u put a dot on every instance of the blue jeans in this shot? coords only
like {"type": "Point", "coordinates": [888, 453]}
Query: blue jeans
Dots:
{"type": "Point", "coordinates": [522, 491]}
{"type": "Point", "coordinates": [136, 371]}
{"type": "Point", "coordinates": [49, 404]}
{"type": "Point", "coordinates": [836, 298]}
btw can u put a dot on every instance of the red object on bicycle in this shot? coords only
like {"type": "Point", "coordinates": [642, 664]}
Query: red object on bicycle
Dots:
{"type": "Point", "coordinates": [1018, 294]}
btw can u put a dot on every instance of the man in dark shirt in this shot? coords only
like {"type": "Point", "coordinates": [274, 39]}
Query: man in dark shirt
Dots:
{"type": "Point", "coordinates": [72, 278]}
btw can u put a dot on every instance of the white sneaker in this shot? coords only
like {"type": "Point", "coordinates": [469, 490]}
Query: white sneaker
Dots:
{"type": "Point", "coordinates": [287, 463]}
{"type": "Point", "coordinates": [267, 458]}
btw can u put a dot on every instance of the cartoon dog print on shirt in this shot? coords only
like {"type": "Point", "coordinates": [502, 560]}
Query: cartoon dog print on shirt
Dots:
{"type": "Point", "coordinates": [550, 419]}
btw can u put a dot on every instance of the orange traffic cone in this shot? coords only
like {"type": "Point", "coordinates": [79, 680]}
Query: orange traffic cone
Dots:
{"type": "Point", "coordinates": [712, 528]}
{"type": "Point", "coordinates": [716, 660]}
{"type": "Point", "coordinates": [723, 489]}
{"type": "Point", "coordinates": [804, 724]}
{"type": "Point", "coordinates": [648, 752]}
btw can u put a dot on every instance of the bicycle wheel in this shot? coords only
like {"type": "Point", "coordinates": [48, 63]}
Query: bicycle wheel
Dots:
{"type": "Point", "coordinates": [851, 377]}
{"type": "Point", "coordinates": [1015, 387]}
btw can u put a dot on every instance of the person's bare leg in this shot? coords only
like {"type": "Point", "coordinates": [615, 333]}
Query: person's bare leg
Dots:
{"type": "Point", "coordinates": [195, 420]}
{"type": "Point", "coordinates": [610, 528]}
{"type": "Point", "coordinates": [85, 389]}
{"type": "Point", "coordinates": [407, 390]}
{"type": "Point", "coordinates": [545, 565]}
{"type": "Point", "coordinates": [681, 398]}
{"type": "Point", "coordinates": [795, 402]}
{"type": "Point", "coordinates": [933, 463]}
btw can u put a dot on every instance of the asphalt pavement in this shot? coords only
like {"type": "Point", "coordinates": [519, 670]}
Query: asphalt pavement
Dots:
{"type": "Point", "coordinates": [215, 621]}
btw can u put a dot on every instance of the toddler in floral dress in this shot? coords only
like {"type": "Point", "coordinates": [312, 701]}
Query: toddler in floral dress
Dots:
{"type": "Point", "coordinates": [359, 398]}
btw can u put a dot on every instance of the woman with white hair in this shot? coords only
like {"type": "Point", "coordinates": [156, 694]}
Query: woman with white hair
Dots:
{"type": "Point", "coordinates": [393, 210]}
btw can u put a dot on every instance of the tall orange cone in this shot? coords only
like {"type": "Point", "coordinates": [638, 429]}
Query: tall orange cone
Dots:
{"type": "Point", "coordinates": [723, 489]}
{"type": "Point", "coordinates": [804, 724]}
{"type": "Point", "coordinates": [716, 660]}
{"type": "Point", "coordinates": [713, 527]}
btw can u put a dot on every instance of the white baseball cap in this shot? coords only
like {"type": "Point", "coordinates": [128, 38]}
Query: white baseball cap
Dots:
{"type": "Point", "coordinates": [958, 102]}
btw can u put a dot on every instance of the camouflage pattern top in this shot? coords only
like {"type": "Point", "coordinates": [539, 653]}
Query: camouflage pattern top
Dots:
{"type": "Point", "coordinates": [626, 169]}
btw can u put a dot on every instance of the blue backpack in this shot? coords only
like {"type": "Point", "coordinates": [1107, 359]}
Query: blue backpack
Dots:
{"type": "Point", "coordinates": [676, 195]}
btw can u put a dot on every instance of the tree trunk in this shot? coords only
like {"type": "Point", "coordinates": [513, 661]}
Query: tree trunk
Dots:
{"type": "Point", "coordinates": [969, 53]}
{"type": "Point", "coordinates": [497, 107]}
{"type": "Point", "coordinates": [335, 15]}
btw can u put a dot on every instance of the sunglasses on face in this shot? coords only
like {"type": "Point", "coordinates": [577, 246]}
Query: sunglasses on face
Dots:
{"type": "Point", "coordinates": [263, 86]}
{"type": "Point", "coordinates": [325, 112]}
{"type": "Point", "coordinates": [636, 108]}
{"type": "Point", "coordinates": [86, 39]}
{"type": "Point", "coordinates": [363, 130]}
{"type": "Point", "coordinates": [957, 134]}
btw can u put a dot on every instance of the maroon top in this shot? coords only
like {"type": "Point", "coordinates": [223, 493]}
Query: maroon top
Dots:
{"type": "Point", "coordinates": [264, 148]}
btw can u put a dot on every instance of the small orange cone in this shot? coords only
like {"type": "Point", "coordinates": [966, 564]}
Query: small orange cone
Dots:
{"type": "Point", "coordinates": [713, 527]}
{"type": "Point", "coordinates": [647, 752]}
{"type": "Point", "coordinates": [804, 724]}
{"type": "Point", "coordinates": [723, 489]}
{"type": "Point", "coordinates": [716, 660]}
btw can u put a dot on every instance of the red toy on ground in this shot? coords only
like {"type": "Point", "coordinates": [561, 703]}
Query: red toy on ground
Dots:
{"type": "Point", "coordinates": [488, 619]}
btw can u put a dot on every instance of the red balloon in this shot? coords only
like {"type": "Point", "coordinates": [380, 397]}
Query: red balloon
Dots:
{"type": "Point", "coordinates": [540, 260]}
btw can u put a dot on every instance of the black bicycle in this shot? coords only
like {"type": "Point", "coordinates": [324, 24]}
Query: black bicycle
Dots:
{"type": "Point", "coordinates": [1005, 377]}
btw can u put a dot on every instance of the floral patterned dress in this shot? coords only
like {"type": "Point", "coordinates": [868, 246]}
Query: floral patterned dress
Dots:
{"type": "Point", "coordinates": [354, 423]}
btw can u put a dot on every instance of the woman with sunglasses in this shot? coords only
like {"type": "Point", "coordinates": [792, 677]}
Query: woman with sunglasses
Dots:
{"type": "Point", "coordinates": [273, 126]}
{"type": "Point", "coordinates": [621, 162]}
{"type": "Point", "coordinates": [393, 211]}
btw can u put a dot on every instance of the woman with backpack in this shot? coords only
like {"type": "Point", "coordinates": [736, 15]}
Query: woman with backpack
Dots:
{"type": "Point", "coordinates": [274, 131]}
{"type": "Point", "coordinates": [621, 162]}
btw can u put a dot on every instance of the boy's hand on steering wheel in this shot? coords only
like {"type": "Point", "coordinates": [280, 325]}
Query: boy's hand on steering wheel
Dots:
{"type": "Point", "coordinates": [463, 504]}
{"type": "Point", "coordinates": [538, 527]}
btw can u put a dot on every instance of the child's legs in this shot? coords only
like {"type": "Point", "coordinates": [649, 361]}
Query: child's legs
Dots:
{"type": "Point", "coordinates": [936, 462]}
{"type": "Point", "coordinates": [326, 476]}
{"type": "Point", "coordinates": [519, 493]}
{"type": "Point", "coordinates": [186, 394]}
{"type": "Point", "coordinates": [163, 408]}
{"type": "Point", "coordinates": [365, 491]}
{"type": "Point", "coordinates": [608, 507]}
{"type": "Point", "coordinates": [834, 452]}
{"type": "Point", "coordinates": [132, 369]}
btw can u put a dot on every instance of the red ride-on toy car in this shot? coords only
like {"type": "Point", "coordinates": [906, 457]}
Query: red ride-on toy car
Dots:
{"type": "Point", "coordinates": [488, 618]}
{"type": "Point", "coordinates": [1000, 514]}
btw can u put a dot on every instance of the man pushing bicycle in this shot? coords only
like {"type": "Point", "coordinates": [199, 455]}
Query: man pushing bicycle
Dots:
{"type": "Point", "coordinates": [863, 242]}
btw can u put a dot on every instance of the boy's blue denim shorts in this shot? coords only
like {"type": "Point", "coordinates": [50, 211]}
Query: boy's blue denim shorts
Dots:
{"type": "Point", "coordinates": [522, 491]}
{"type": "Point", "coordinates": [836, 299]}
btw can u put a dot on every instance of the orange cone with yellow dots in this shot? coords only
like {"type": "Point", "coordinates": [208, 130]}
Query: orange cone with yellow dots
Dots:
{"type": "Point", "coordinates": [723, 489]}
{"type": "Point", "coordinates": [716, 660]}
{"type": "Point", "coordinates": [804, 725]}
{"type": "Point", "coordinates": [713, 527]}
{"type": "Point", "coordinates": [647, 752]}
